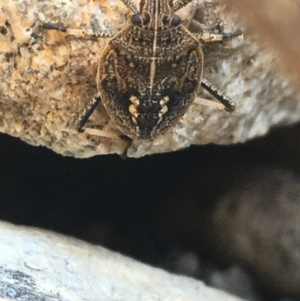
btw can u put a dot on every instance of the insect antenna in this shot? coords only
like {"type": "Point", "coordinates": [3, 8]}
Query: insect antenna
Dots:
{"type": "Point", "coordinates": [178, 4]}
{"type": "Point", "coordinates": [131, 6]}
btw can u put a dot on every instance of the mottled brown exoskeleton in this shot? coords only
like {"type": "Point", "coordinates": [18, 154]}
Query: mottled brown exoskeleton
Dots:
{"type": "Point", "coordinates": [149, 72]}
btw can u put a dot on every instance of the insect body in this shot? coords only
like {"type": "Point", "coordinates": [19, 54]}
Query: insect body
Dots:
{"type": "Point", "coordinates": [149, 72]}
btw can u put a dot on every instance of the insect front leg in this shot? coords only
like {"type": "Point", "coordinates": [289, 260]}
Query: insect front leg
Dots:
{"type": "Point", "coordinates": [214, 37]}
{"type": "Point", "coordinates": [85, 33]}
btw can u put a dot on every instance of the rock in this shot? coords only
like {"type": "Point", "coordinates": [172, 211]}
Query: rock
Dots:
{"type": "Point", "coordinates": [257, 224]}
{"type": "Point", "coordinates": [48, 77]}
{"type": "Point", "coordinates": [232, 211]}
{"type": "Point", "coordinates": [40, 265]}
{"type": "Point", "coordinates": [279, 35]}
{"type": "Point", "coordinates": [236, 281]}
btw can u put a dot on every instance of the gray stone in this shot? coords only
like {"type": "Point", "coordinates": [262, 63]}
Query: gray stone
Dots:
{"type": "Point", "coordinates": [39, 265]}
{"type": "Point", "coordinates": [257, 224]}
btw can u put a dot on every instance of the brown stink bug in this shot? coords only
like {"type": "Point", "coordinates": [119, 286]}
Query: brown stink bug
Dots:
{"type": "Point", "coordinates": [149, 72]}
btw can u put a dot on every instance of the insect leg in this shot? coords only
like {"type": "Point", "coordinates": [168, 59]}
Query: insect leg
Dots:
{"type": "Point", "coordinates": [84, 117]}
{"type": "Point", "coordinates": [228, 103]}
{"type": "Point", "coordinates": [213, 37]}
{"type": "Point", "coordinates": [86, 33]}
{"type": "Point", "coordinates": [209, 103]}
{"type": "Point", "coordinates": [87, 112]}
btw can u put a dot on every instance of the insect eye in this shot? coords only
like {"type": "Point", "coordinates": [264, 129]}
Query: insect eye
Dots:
{"type": "Point", "coordinates": [136, 19]}
{"type": "Point", "coordinates": [146, 19]}
{"type": "Point", "coordinates": [165, 20]}
{"type": "Point", "coordinates": [175, 20]}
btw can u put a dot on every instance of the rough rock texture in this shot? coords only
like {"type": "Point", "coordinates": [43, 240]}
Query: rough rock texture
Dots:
{"type": "Point", "coordinates": [276, 25]}
{"type": "Point", "coordinates": [255, 222]}
{"type": "Point", "coordinates": [47, 78]}
{"type": "Point", "coordinates": [258, 224]}
{"type": "Point", "coordinates": [39, 265]}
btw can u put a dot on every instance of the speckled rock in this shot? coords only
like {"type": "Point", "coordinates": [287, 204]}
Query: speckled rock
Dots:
{"type": "Point", "coordinates": [258, 224]}
{"type": "Point", "coordinates": [247, 212]}
{"type": "Point", "coordinates": [48, 77]}
{"type": "Point", "coordinates": [38, 265]}
{"type": "Point", "coordinates": [275, 26]}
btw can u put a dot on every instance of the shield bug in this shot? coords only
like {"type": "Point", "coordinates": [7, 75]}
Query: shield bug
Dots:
{"type": "Point", "coordinates": [149, 72]}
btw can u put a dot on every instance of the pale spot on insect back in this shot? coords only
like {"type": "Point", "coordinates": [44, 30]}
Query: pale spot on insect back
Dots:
{"type": "Point", "coordinates": [164, 107]}
{"type": "Point", "coordinates": [133, 107]}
